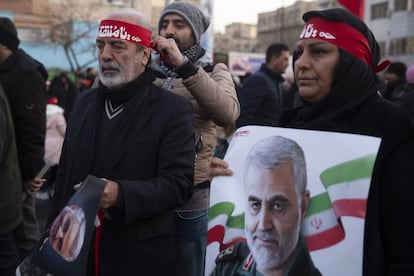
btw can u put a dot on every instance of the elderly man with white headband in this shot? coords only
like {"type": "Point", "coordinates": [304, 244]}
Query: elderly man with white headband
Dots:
{"type": "Point", "coordinates": [140, 140]}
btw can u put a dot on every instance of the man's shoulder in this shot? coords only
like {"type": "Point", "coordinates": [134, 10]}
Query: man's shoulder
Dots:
{"type": "Point", "coordinates": [233, 259]}
{"type": "Point", "coordinates": [28, 65]}
{"type": "Point", "coordinates": [259, 77]}
{"type": "Point", "coordinates": [167, 97]}
{"type": "Point", "coordinates": [237, 251]}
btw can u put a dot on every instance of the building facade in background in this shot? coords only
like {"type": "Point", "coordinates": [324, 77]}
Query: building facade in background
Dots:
{"type": "Point", "coordinates": [283, 25]}
{"type": "Point", "coordinates": [392, 22]}
{"type": "Point", "coordinates": [393, 25]}
{"type": "Point", "coordinates": [39, 23]}
{"type": "Point", "coordinates": [240, 37]}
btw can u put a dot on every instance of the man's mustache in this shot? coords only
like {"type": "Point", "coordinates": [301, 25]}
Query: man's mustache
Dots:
{"type": "Point", "coordinates": [266, 235]}
{"type": "Point", "coordinates": [110, 65]}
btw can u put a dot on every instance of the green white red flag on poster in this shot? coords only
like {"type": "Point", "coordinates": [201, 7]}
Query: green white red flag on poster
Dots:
{"type": "Point", "coordinates": [339, 168]}
{"type": "Point", "coordinates": [347, 186]}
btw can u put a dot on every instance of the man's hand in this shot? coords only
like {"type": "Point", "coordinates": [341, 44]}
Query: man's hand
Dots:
{"type": "Point", "coordinates": [219, 167]}
{"type": "Point", "coordinates": [167, 47]}
{"type": "Point", "coordinates": [109, 194]}
{"type": "Point", "coordinates": [32, 186]}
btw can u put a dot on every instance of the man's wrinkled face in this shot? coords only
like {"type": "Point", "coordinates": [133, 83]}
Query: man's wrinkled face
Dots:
{"type": "Point", "coordinates": [174, 26]}
{"type": "Point", "coordinates": [273, 215]}
{"type": "Point", "coordinates": [120, 61]}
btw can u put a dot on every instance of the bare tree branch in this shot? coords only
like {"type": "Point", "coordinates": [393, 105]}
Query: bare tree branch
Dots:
{"type": "Point", "coordinates": [72, 27]}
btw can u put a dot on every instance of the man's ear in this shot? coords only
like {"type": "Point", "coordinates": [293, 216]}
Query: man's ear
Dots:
{"type": "Point", "coordinates": [146, 55]}
{"type": "Point", "coordinates": [304, 204]}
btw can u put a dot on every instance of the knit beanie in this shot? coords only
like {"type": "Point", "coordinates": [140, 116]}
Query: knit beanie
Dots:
{"type": "Point", "coordinates": [409, 74]}
{"type": "Point", "coordinates": [8, 34]}
{"type": "Point", "coordinates": [197, 20]}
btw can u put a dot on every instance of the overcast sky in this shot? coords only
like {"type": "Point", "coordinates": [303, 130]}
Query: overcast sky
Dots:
{"type": "Point", "coordinates": [229, 11]}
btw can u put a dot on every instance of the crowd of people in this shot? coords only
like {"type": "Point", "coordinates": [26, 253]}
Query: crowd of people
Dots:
{"type": "Point", "coordinates": [154, 123]}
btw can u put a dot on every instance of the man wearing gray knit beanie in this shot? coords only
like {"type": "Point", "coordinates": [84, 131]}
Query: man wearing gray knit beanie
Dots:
{"type": "Point", "coordinates": [182, 66]}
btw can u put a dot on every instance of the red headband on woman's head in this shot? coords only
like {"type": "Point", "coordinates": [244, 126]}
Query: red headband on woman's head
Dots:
{"type": "Point", "coordinates": [339, 34]}
{"type": "Point", "coordinates": [125, 31]}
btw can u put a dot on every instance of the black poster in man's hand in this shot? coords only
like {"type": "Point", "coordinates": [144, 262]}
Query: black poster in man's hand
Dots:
{"type": "Point", "coordinates": [64, 251]}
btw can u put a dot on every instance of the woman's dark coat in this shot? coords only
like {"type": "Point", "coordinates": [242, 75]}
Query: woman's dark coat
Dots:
{"type": "Point", "coordinates": [355, 106]}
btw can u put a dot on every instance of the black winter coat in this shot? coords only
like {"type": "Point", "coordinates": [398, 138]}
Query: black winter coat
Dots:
{"type": "Point", "coordinates": [148, 149]}
{"type": "Point", "coordinates": [24, 81]}
{"type": "Point", "coordinates": [261, 99]}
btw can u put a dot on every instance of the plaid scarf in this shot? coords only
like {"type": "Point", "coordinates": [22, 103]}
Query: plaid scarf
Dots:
{"type": "Point", "coordinates": [193, 54]}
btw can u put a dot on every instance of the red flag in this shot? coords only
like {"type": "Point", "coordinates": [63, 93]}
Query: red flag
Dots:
{"type": "Point", "coordinates": [354, 6]}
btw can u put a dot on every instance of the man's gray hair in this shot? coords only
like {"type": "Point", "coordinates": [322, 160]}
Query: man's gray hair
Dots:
{"type": "Point", "coordinates": [273, 151]}
{"type": "Point", "coordinates": [135, 16]}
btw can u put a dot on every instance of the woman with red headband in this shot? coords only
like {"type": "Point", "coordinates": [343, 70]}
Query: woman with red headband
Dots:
{"type": "Point", "coordinates": [335, 65]}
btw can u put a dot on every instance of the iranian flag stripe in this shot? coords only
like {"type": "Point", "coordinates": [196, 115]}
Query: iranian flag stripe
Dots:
{"type": "Point", "coordinates": [319, 222]}
{"type": "Point", "coordinates": [325, 239]}
{"type": "Point", "coordinates": [219, 234]}
{"type": "Point", "coordinates": [232, 233]}
{"type": "Point", "coordinates": [226, 208]}
{"type": "Point", "coordinates": [348, 184]}
{"type": "Point", "coordinates": [229, 233]}
{"type": "Point", "coordinates": [223, 227]}
{"type": "Point", "coordinates": [215, 234]}
{"type": "Point", "coordinates": [353, 170]}
{"type": "Point", "coordinates": [349, 199]}
{"type": "Point", "coordinates": [320, 216]}
{"type": "Point", "coordinates": [356, 189]}
{"type": "Point", "coordinates": [350, 207]}
{"type": "Point", "coordinates": [320, 227]}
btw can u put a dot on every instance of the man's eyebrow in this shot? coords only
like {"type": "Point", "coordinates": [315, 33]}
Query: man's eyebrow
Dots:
{"type": "Point", "coordinates": [278, 198]}
{"type": "Point", "coordinates": [253, 198]}
{"type": "Point", "coordinates": [175, 20]}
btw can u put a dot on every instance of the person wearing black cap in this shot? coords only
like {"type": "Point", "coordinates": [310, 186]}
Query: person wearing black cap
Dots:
{"type": "Point", "coordinates": [404, 95]}
{"type": "Point", "coordinates": [183, 67]}
{"type": "Point", "coordinates": [394, 78]}
{"type": "Point", "coordinates": [24, 82]}
{"type": "Point", "coordinates": [335, 64]}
